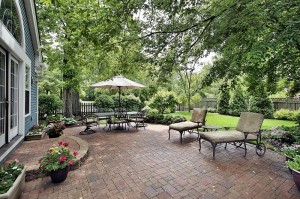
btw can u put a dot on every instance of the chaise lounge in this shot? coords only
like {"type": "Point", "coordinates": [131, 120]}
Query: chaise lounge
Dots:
{"type": "Point", "coordinates": [197, 120]}
{"type": "Point", "coordinates": [248, 129]}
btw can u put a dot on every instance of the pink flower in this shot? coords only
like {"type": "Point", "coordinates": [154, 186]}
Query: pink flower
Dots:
{"type": "Point", "coordinates": [60, 143]}
{"type": "Point", "coordinates": [75, 153]}
{"type": "Point", "coordinates": [66, 144]}
{"type": "Point", "coordinates": [17, 161]}
{"type": "Point", "coordinates": [70, 162]}
{"type": "Point", "coordinates": [63, 158]}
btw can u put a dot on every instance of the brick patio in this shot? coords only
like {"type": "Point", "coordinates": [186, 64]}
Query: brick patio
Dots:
{"type": "Point", "coordinates": [145, 164]}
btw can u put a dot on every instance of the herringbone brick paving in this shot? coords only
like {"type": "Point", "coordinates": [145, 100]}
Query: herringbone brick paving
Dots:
{"type": "Point", "coordinates": [145, 164]}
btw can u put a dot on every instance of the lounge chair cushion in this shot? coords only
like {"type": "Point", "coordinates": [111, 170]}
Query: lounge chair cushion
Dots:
{"type": "Point", "coordinates": [225, 136]}
{"type": "Point", "coordinates": [184, 126]}
{"type": "Point", "coordinates": [250, 122]}
{"type": "Point", "coordinates": [198, 115]}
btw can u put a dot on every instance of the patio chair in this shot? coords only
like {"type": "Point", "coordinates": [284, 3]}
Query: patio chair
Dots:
{"type": "Point", "coordinates": [120, 118]}
{"type": "Point", "coordinates": [197, 120]}
{"type": "Point", "coordinates": [139, 119]}
{"type": "Point", "coordinates": [88, 121]}
{"type": "Point", "coordinates": [248, 129]}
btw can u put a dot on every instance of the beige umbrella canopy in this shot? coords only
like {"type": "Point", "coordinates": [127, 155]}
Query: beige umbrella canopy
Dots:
{"type": "Point", "coordinates": [118, 82]}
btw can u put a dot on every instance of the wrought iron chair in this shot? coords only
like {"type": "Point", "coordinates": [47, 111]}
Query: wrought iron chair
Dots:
{"type": "Point", "coordinates": [139, 119]}
{"type": "Point", "coordinates": [248, 129]}
{"type": "Point", "coordinates": [88, 121]}
{"type": "Point", "coordinates": [120, 118]}
{"type": "Point", "coordinates": [197, 120]}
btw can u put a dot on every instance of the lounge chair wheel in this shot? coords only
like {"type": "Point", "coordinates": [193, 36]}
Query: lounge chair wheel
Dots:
{"type": "Point", "coordinates": [260, 149]}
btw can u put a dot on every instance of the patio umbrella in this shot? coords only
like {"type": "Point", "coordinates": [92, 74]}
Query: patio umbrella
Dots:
{"type": "Point", "coordinates": [118, 82]}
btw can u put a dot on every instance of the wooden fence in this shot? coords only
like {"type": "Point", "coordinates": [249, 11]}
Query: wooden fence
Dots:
{"type": "Point", "coordinates": [279, 103]}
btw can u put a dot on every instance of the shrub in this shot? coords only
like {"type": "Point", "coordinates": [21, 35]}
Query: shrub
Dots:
{"type": "Point", "coordinates": [49, 104]}
{"type": "Point", "coordinates": [163, 100]}
{"type": "Point", "coordinates": [212, 110]}
{"type": "Point", "coordinates": [238, 102]}
{"type": "Point", "coordinates": [285, 114]}
{"type": "Point", "coordinates": [223, 100]}
{"type": "Point", "coordinates": [157, 118]}
{"type": "Point", "coordinates": [261, 103]}
{"type": "Point", "coordinates": [196, 100]}
{"type": "Point", "coordinates": [104, 102]}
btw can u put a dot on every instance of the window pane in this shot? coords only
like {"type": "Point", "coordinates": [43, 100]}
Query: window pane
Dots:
{"type": "Point", "coordinates": [10, 18]}
{"type": "Point", "coordinates": [27, 102]}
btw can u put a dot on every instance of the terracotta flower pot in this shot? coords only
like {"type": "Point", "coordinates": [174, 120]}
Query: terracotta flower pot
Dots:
{"type": "Point", "coordinates": [59, 175]}
{"type": "Point", "coordinates": [296, 177]}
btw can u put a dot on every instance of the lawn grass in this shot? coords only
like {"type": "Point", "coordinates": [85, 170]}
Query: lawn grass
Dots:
{"type": "Point", "coordinates": [231, 121]}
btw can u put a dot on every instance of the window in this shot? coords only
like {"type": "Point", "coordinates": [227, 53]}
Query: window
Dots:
{"type": "Point", "coordinates": [10, 18]}
{"type": "Point", "coordinates": [27, 90]}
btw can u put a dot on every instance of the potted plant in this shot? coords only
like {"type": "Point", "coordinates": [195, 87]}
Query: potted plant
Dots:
{"type": "Point", "coordinates": [290, 152]}
{"type": "Point", "coordinates": [56, 162]}
{"type": "Point", "coordinates": [294, 165]}
{"type": "Point", "coordinates": [68, 121]}
{"type": "Point", "coordinates": [35, 133]}
{"type": "Point", "coordinates": [12, 178]}
{"type": "Point", "coordinates": [55, 130]}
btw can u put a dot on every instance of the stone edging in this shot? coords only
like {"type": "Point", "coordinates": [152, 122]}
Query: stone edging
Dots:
{"type": "Point", "coordinates": [33, 172]}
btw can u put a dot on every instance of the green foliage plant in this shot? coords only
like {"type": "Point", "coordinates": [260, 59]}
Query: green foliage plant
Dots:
{"type": "Point", "coordinates": [67, 121]}
{"type": "Point", "coordinates": [35, 130]}
{"type": "Point", "coordinates": [48, 104]}
{"type": "Point", "coordinates": [163, 100]}
{"type": "Point", "coordinates": [57, 157]}
{"type": "Point", "coordinates": [196, 100]}
{"type": "Point", "coordinates": [223, 100]}
{"type": "Point", "coordinates": [291, 151]}
{"type": "Point", "coordinates": [294, 164]}
{"type": "Point", "coordinates": [104, 102]}
{"type": "Point", "coordinates": [286, 114]}
{"type": "Point", "coordinates": [261, 103]}
{"type": "Point", "coordinates": [8, 175]}
{"type": "Point", "coordinates": [237, 102]}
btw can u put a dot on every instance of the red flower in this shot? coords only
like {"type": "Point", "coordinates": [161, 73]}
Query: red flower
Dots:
{"type": "Point", "coordinates": [63, 158]}
{"type": "Point", "coordinates": [66, 144]}
{"type": "Point", "coordinates": [75, 153]}
{"type": "Point", "coordinates": [42, 166]}
{"type": "Point", "coordinates": [50, 150]}
{"type": "Point", "coordinates": [60, 143]}
{"type": "Point", "coordinates": [70, 162]}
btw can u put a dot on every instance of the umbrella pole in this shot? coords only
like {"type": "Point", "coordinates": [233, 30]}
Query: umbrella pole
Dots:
{"type": "Point", "coordinates": [119, 98]}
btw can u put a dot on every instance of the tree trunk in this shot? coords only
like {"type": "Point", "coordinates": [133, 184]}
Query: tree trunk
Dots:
{"type": "Point", "coordinates": [67, 94]}
{"type": "Point", "coordinates": [75, 103]}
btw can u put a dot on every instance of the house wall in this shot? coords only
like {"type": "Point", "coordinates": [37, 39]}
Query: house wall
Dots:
{"type": "Point", "coordinates": [31, 119]}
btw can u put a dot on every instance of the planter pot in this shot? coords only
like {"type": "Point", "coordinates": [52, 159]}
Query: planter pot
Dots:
{"type": "Point", "coordinates": [59, 175]}
{"type": "Point", "coordinates": [15, 191]}
{"type": "Point", "coordinates": [296, 177]}
{"type": "Point", "coordinates": [54, 135]}
{"type": "Point", "coordinates": [35, 137]}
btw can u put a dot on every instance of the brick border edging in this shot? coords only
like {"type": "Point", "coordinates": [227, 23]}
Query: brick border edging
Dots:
{"type": "Point", "coordinates": [33, 171]}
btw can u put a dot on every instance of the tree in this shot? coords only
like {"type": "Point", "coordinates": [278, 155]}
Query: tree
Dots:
{"type": "Point", "coordinates": [80, 38]}
{"type": "Point", "coordinates": [223, 100]}
{"type": "Point", "coordinates": [195, 100]}
{"type": "Point", "coordinates": [237, 102]}
{"type": "Point", "coordinates": [261, 103]}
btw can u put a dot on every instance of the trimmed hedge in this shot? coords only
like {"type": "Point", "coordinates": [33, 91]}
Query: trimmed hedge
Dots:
{"type": "Point", "coordinates": [154, 117]}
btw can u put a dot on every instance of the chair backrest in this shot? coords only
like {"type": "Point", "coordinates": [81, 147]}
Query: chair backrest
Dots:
{"type": "Point", "coordinates": [120, 113]}
{"type": "Point", "coordinates": [199, 115]}
{"type": "Point", "coordinates": [250, 122]}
